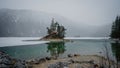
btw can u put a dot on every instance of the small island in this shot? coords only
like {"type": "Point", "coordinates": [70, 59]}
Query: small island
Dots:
{"type": "Point", "coordinates": [56, 32]}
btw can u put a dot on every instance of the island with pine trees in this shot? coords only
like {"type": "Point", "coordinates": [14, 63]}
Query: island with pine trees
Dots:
{"type": "Point", "coordinates": [55, 32]}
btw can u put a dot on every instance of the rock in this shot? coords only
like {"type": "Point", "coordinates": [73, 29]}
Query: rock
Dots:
{"type": "Point", "coordinates": [59, 65]}
{"type": "Point", "coordinates": [70, 55]}
{"type": "Point", "coordinates": [71, 61]}
{"type": "Point", "coordinates": [8, 62]}
{"type": "Point", "coordinates": [48, 58]}
{"type": "Point", "coordinates": [42, 60]}
{"type": "Point", "coordinates": [96, 66]}
{"type": "Point", "coordinates": [36, 61]}
{"type": "Point", "coordinates": [33, 61]}
{"type": "Point", "coordinates": [52, 66]}
{"type": "Point", "coordinates": [4, 66]}
{"type": "Point", "coordinates": [29, 66]}
{"type": "Point", "coordinates": [28, 61]}
{"type": "Point", "coordinates": [19, 65]}
{"type": "Point", "coordinates": [5, 60]}
{"type": "Point", "coordinates": [63, 64]}
{"type": "Point", "coordinates": [91, 61]}
{"type": "Point", "coordinates": [78, 66]}
{"type": "Point", "coordinates": [76, 55]}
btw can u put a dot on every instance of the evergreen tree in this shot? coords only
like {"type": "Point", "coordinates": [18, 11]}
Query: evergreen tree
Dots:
{"type": "Point", "coordinates": [115, 33]}
{"type": "Point", "coordinates": [55, 30]}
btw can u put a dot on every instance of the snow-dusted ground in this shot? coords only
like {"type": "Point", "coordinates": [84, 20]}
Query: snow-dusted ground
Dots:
{"type": "Point", "coordinates": [87, 38]}
{"type": "Point", "coordinates": [17, 41]}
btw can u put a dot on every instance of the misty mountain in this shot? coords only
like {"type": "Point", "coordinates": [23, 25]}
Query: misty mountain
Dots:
{"type": "Point", "coordinates": [28, 23]}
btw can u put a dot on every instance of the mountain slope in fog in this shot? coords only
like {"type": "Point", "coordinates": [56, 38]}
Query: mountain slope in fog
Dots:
{"type": "Point", "coordinates": [28, 23]}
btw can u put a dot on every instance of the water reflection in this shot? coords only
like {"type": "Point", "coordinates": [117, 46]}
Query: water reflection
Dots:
{"type": "Point", "coordinates": [116, 50]}
{"type": "Point", "coordinates": [56, 48]}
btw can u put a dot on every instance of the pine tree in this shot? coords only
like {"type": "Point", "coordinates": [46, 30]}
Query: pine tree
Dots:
{"type": "Point", "coordinates": [55, 30]}
{"type": "Point", "coordinates": [115, 33]}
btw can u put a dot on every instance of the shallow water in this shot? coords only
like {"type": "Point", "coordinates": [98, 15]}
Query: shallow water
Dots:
{"type": "Point", "coordinates": [17, 48]}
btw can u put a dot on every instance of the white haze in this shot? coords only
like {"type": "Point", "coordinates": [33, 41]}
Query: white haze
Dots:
{"type": "Point", "coordinates": [90, 12]}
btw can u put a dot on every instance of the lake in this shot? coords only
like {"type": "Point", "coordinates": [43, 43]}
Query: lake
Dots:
{"type": "Point", "coordinates": [18, 48]}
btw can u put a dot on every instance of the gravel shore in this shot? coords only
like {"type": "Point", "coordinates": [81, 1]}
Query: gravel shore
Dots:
{"type": "Point", "coordinates": [71, 61]}
{"type": "Point", "coordinates": [84, 61]}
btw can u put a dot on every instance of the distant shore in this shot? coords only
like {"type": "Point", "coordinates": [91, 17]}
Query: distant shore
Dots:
{"type": "Point", "coordinates": [51, 40]}
{"type": "Point", "coordinates": [56, 40]}
{"type": "Point", "coordinates": [70, 39]}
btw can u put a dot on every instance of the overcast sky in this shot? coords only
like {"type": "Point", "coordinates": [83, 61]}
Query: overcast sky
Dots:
{"type": "Point", "coordinates": [94, 12]}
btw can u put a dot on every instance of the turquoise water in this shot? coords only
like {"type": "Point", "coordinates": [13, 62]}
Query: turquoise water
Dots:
{"type": "Point", "coordinates": [60, 49]}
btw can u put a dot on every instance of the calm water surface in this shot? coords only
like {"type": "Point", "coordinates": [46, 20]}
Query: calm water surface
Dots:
{"type": "Point", "coordinates": [18, 48]}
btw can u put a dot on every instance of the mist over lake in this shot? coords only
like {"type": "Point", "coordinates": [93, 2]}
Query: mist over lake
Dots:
{"type": "Point", "coordinates": [59, 33]}
{"type": "Point", "coordinates": [29, 23]}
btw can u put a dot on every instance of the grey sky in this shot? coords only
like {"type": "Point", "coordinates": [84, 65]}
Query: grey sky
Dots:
{"type": "Point", "coordinates": [94, 12]}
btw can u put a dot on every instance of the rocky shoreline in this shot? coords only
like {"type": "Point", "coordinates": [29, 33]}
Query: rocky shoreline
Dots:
{"type": "Point", "coordinates": [8, 62]}
{"type": "Point", "coordinates": [77, 61]}
{"type": "Point", "coordinates": [71, 61]}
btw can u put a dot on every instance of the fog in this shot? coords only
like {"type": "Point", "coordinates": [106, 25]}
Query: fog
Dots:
{"type": "Point", "coordinates": [90, 12]}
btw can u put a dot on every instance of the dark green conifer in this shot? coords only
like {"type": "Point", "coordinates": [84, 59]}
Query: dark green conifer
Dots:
{"type": "Point", "coordinates": [115, 33]}
{"type": "Point", "coordinates": [55, 30]}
